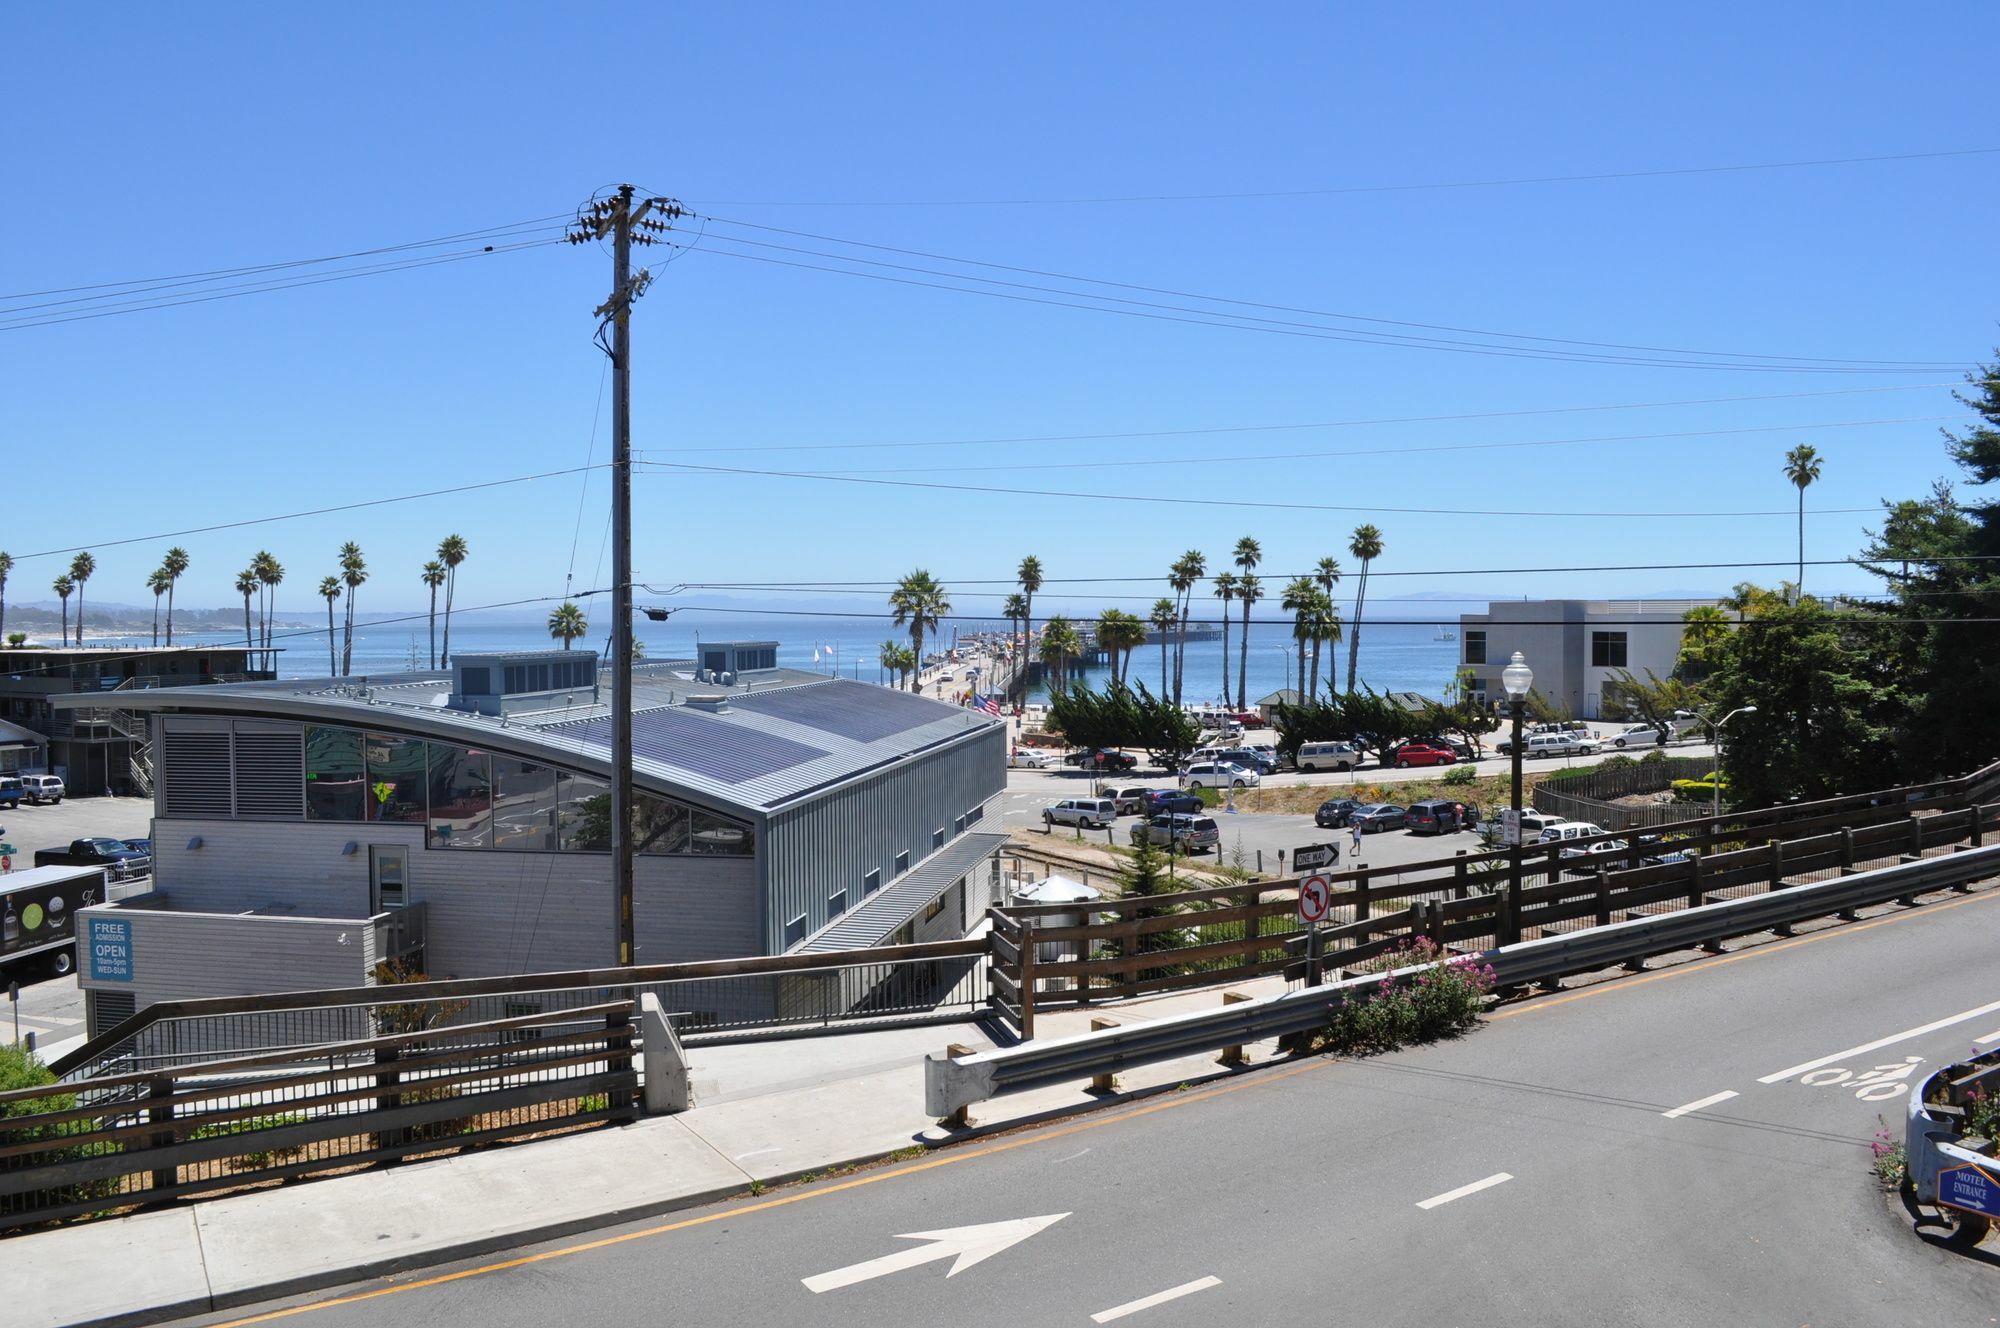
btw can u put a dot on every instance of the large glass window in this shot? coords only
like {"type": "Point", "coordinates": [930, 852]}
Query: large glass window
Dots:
{"type": "Point", "coordinates": [1607, 650]}
{"type": "Point", "coordinates": [1475, 647]}
{"type": "Point", "coordinates": [659, 825]}
{"type": "Point", "coordinates": [397, 772]}
{"type": "Point", "coordinates": [336, 778]}
{"type": "Point", "coordinates": [717, 834]}
{"type": "Point", "coordinates": [525, 806]}
{"type": "Point", "coordinates": [461, 797]}
{"type": "Point", "coordinates": [583, 814]}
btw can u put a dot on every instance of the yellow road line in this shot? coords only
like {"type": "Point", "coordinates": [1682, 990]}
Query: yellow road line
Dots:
{"type": "Point", "coordinates": [954, 1156]}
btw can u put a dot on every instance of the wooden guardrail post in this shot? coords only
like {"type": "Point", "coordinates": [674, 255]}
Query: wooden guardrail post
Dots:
{"type": "Point", "coordinates": [1459, 876]}
{"type": "Point", "coordinates": [1603, 898]}
{"type": "Point", "coordinates": [387, 1076]}
{"type": "Point", "coordinates": [1362, 909]}
{"type": "Point", "coordinates": [1847, 867]}
{"type": "Point", "coordinates": [1775, 870]}
{"type": "Point", "coordinates": [160, 1111]}
{"type": "Point", "coordinates": [1695, 899]}
{"type": "Point", "coordinates": [1916, 849]}
{"type": "Point", "coordinates": [624, 1102]}
{"type": "Point", "coordinates": [1978, 824]}
{"type": "Point", "coordinates": [962, 1118]}
{"type": "Point", "coordinates": [1107, 1082]}
{"type": "Point", "coordinates": [1234, 1055]}
{"type": "Point", "coordinates": [1027, 970]}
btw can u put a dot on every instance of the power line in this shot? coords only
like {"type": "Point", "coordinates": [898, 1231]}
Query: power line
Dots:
{"type": "Point", "coordinates": [1333, 191]}
{"type": "Point", "coordinates": [1008, 491]}
{"type": "Point", "coordinates": [1272, 327]}
{"type": "Point", "coordinates": [309, 512]}
{"type": "Point", "coordinates": [1278, 428]}
{"type": "Point", "coordinates": [1285, 308]}
{"type": "Point", "coordinates": [1402, 450]}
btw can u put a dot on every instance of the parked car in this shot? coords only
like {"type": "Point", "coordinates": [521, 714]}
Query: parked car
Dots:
{"type": "Point", "coordinates": [144, 846]}
{"type": "Point", "coordinates": [1247, 757]}
{"type": "Point", "coordinates": [1638, 735]}
{"type": "Point", "coordinates": [1440, 816]}
{"type": "Point", "coordinates": [1219, 774]}
{"type": "Point", "coordinates": [1173, 800]}
{"type": "Point", "coordinates": [1131, 801]}
{"type": "Point", "coordinates": [1090, 813]}
{"type": "Point", "coordinates": [1533, 823]}
{"type": "Point", "coordinates": [1030, 758]}
{"type": "Point", "coordinates": [1101, 758]}
{"type": "Point", "coordinates": [1327, 756]}
{"type": "Point", "coordinates": [1179, 831]}
{"type": "Point", "coordinates": [1419, 753]}
{"type": "Point", "coordinates": [111, 854]}
{"type": "Point", "coordinates": [1377, 816]}
{"type": "Point", "coordinates": [1551, 744]}
{"type": "Point", "coordinates": [1556, 834]}
{"type": "Point", "coordinates": [39, 789]}
{"type": "Point", "coordinates": [1334, 812]}
{"type": "Point", "coordinates": [1249, 719]}
{"type": "Point", "coordinates": [10, 791]}
{"type": "Point", "coordinates": [1602, 855]}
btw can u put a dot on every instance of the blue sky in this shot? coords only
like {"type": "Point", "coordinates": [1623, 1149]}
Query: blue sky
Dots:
{"type": "Point", "coordinates": [149, 141]}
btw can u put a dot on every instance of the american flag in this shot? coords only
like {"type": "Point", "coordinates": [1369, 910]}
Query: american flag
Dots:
{"type": "Point", "coordinates": [990, 704]}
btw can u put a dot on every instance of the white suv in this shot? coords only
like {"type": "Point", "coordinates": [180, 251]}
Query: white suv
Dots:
{"type": "Point", "coordinates": [1219, 774]}
{"type": "Point", "coordinates": [39, 789]}
{"type": "Point", "coordinates": [1090, 813]}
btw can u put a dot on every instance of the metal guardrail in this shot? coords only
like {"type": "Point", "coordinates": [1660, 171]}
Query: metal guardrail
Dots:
{"type": "Point", "coordinates": [953, 1083]}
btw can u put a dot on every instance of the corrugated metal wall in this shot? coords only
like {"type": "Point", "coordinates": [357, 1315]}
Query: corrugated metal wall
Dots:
{"type": "Point", "coordinates": [830, 843]}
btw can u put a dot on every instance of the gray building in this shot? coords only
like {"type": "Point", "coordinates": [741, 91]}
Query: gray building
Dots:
{"type": "Point", "coordinates": [1575, 646]}
{"type": "Point", "coordinates": [306, 831]}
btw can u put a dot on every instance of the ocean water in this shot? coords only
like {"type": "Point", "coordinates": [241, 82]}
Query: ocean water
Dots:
{"type": "Point", "coordinates": [1394, 657]}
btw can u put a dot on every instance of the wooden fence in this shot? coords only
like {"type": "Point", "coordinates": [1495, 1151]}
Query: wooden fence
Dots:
{"type": "Point", "coordinates": [1044, 958]}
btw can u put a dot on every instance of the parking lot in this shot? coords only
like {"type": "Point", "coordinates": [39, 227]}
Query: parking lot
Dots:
{"type": "Point", "coordinates": [30, 828]}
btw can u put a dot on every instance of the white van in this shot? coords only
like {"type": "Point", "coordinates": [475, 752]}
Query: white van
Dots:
{"type": "Point", "coordinates": [1327, 756]}
{"type": "Point", "coordinates": [1089, 813]}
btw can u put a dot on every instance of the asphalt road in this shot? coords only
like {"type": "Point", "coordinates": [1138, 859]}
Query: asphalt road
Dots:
{"type": "Point", "coordinates": [1688, 1147]}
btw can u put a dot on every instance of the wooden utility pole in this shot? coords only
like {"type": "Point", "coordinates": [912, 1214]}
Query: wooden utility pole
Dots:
{"type": "Point", "coordinates": [617, 217]}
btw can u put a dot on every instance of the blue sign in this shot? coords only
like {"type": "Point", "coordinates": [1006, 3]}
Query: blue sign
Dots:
{"type": "Point", "coordinates": [1971, 1188]}
{"type": "Point", "coordinates": [108, 957]}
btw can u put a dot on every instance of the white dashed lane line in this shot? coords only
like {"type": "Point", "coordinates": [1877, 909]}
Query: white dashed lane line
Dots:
{"type": "Point", "coordinates": [1497, 1178]}
{"type": "Point", "coordinates": [1693, 1107]}
{"type": "Point", "coordinates": [1932, 1027]}
{"type": "Point", "coordinates": [1157, 1298]}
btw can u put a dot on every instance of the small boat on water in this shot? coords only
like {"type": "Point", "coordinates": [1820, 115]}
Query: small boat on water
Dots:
{"type": "Point", "coordinates": [1445, 634]}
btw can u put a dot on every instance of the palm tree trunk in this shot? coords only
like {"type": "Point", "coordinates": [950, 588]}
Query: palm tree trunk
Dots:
{"type": "Point", "coordinates": [1225, 654]}
{"type": "Point", "coordinates": [1300, 641]}
{"type": "Point", "coordinates": [1163, 666]}
{"type": "Point", "coordinates": [434, 627]}
{"type": "Point", "coordinates": [347, 636]}
{"type": "Point", "coordinates": [249, 641]}
{"type": "Point", "coordinates": [1180, 653]}
{"type": "Point", "coordinates": [170, 611]}
{"type": "Point", "coordinates": [1243, 660]}
{"type": "Point", "coordinates": [450, 589]}
{"type": "Point", "coordinates": [1801, 583]}
{"type": "Point", "coordinates": [156, 620]}
{"type": "Point", "coordinates": [1313, 689]}
{"type": "Point", "coordinates": [1354, 633]}
{"type": "Point", "coordinates": [332, 665]}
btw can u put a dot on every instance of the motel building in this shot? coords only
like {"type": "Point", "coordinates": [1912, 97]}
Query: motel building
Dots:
{"type": "Point", "coordinates": [457, 823]}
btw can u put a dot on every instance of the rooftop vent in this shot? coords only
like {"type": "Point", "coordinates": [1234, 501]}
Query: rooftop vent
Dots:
{"type": "Point", "coordinates": [709, 701]}
{"type": "Point", "coordinates": [497, 684]}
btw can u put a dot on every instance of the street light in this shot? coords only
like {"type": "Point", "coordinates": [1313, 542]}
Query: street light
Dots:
{"type": "Point", "coordinates": [1517, 678]}
{"type": "Point", "coordinates": [1715, 782]}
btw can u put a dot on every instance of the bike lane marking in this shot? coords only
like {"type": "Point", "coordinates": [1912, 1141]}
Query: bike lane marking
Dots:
{"type": "Point", "coordinates": [1691, 1107]}
{"type": "Point", "coordinates": [1866, 1047]}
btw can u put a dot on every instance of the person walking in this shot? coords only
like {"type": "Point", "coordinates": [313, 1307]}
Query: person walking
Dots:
{"type": "Point", "coordinates": [1354, 834]}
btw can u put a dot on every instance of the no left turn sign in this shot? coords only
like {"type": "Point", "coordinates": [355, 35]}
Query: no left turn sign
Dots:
{"type": "Point", "coordinates": [1315, 898]}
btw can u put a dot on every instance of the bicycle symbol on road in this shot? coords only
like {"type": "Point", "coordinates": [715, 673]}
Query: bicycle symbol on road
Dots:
{"type": "Point", "coordinates": [1876, 1085]}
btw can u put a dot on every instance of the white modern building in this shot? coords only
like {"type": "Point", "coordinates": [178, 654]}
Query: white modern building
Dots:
{"type": "Point", "coordinates": [1575, 646]}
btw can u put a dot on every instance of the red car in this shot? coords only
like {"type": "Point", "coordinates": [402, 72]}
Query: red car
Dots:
{"type": "Point", "coordinates": [1423, 753]}
{"type": "Point", "coordinates": [1249, 719]}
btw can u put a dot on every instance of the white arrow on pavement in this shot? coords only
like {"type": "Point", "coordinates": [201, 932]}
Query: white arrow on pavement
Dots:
{"type": "Point", "coordinates": [970, 1245]}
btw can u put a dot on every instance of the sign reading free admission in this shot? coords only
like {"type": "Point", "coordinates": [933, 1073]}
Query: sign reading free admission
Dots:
{"type": "Point", "coordinates": [108, 950]}
{"type": "Point", "coordinates": [1974, 1189]}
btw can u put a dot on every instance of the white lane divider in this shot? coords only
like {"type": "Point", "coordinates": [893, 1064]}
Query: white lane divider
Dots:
{"type": "Point", "coordinates": [1932, 1027]}
{"type": "Point", "coordinates": [1157, 1298]}
{"type": "Point", "coordinates": [1994, 1036]}
{"type": "Point", "coordinates": [1692, 1107]}
{"type": "Point", "coordinates": [1497, 1178]}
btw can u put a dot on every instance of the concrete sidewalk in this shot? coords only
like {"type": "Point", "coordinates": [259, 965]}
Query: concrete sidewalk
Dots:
{"type": "Point", "coordinates": [764, 1112]}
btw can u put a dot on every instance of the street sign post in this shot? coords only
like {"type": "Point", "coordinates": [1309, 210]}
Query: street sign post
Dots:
{"type": "Point", "coordinates": [1971, 1189]}
{"type": "Point", "coordinates": [1315, 901]}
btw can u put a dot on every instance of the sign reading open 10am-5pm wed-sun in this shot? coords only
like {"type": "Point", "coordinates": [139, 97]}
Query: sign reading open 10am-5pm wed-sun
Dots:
{"type": "Point", "coordinates": [108, 953]}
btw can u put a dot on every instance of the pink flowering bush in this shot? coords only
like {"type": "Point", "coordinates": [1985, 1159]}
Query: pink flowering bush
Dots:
{"type": "Point", "coordinates": [1444, 997]}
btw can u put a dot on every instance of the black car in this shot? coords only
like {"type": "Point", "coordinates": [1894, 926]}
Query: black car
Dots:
{"type": "Point", "coordinates": [1380, 816]}
{"type": "Point", "coordinates": [1101, 758]}
{"type": "Point", "coordinates": [1173, 800]}
{"type": "Point", "coordinates": [1334, 812]}
{"type": "Point", "coordinates": [1440, 816]}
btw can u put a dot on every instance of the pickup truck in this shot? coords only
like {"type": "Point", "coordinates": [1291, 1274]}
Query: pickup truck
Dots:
{"type": "Point", "coordinates": [113, 855]}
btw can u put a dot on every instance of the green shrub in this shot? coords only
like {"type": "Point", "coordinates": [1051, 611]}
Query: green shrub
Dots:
{"type": "Point", "coordinates": [1444, 998]}
{"type": "Point", "coordinates": [1460, 774]}
{"type": "Point", "coordinates": [1617, 763]}
{"type": "Point", "coordinates": [20, 1068]}
{"type": "Point", "coordinates": [1658, 756]}
{"type": "Point", "coordinates": [255, 1158]}
{"type": "Point", "coordinates": [1699, 790]}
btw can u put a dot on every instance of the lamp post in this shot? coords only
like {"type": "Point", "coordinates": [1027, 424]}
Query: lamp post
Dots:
{"type": "Point", "coordinates": [1517, 678]}
{"type": "Point", "coordinates": [1715, 783]}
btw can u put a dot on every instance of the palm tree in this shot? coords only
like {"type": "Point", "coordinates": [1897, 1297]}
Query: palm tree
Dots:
{"type": "Point", "coordinates": [452, 550]}
{"type": "Point", "coordinates": [6, 566]}
{"type": "Point", "coordinates": [433, 576]}
{"type": "Point", "coordinates": [921, 603]}
{"type": "Point", "coordinates": [1326, 574]}
{"type": "Point", "coordinates": [1324, 625]}
{"type": "Point", "coordinates": [157, 583]}
{"type": "Point", "coordinates": [246, 586]}
{"type": "Point", "coordinates": [1301, 601]}
{"type": "Point", "coordinates": [270, 575]}
{"type": "Point", "coordinates": [1802, 468]}
{"type": "Point", "coordinates": [353, 571]}
{"type": "Point", "coordinates": [1249, 589]}
{"type": "Point", "coordinates": [1060, 644]}
{"type": "Point", "coordinates": [1183, 576]}
{"type": "Point", "coordinates": [63, 586]}
{"type": "Point", "coordinates": [1164, 616]}
{"type": "Point", "coordinates": [1029, 573]}
{"type": "Point", "coordinates": [1118, 635]}
{"type": "Point", "coordinates": [80, 568]}
{"type": "Point", "coordinates": [1015, 609]}
{"type": "Point", "coordinates": [566, 622]}
{"type": "Point", "coordinates": [1248, 554]}
{"type": "Point", "coordinates": [329, 590]}
{"type": "Point", "coordinates": [1366, 546]}
{"type": "Point", "coordinates": [175, 566]}
{"type": "Point", "coordinates": [890, 656]}
{"type": "Point", "coordinates": [1225, 590]}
